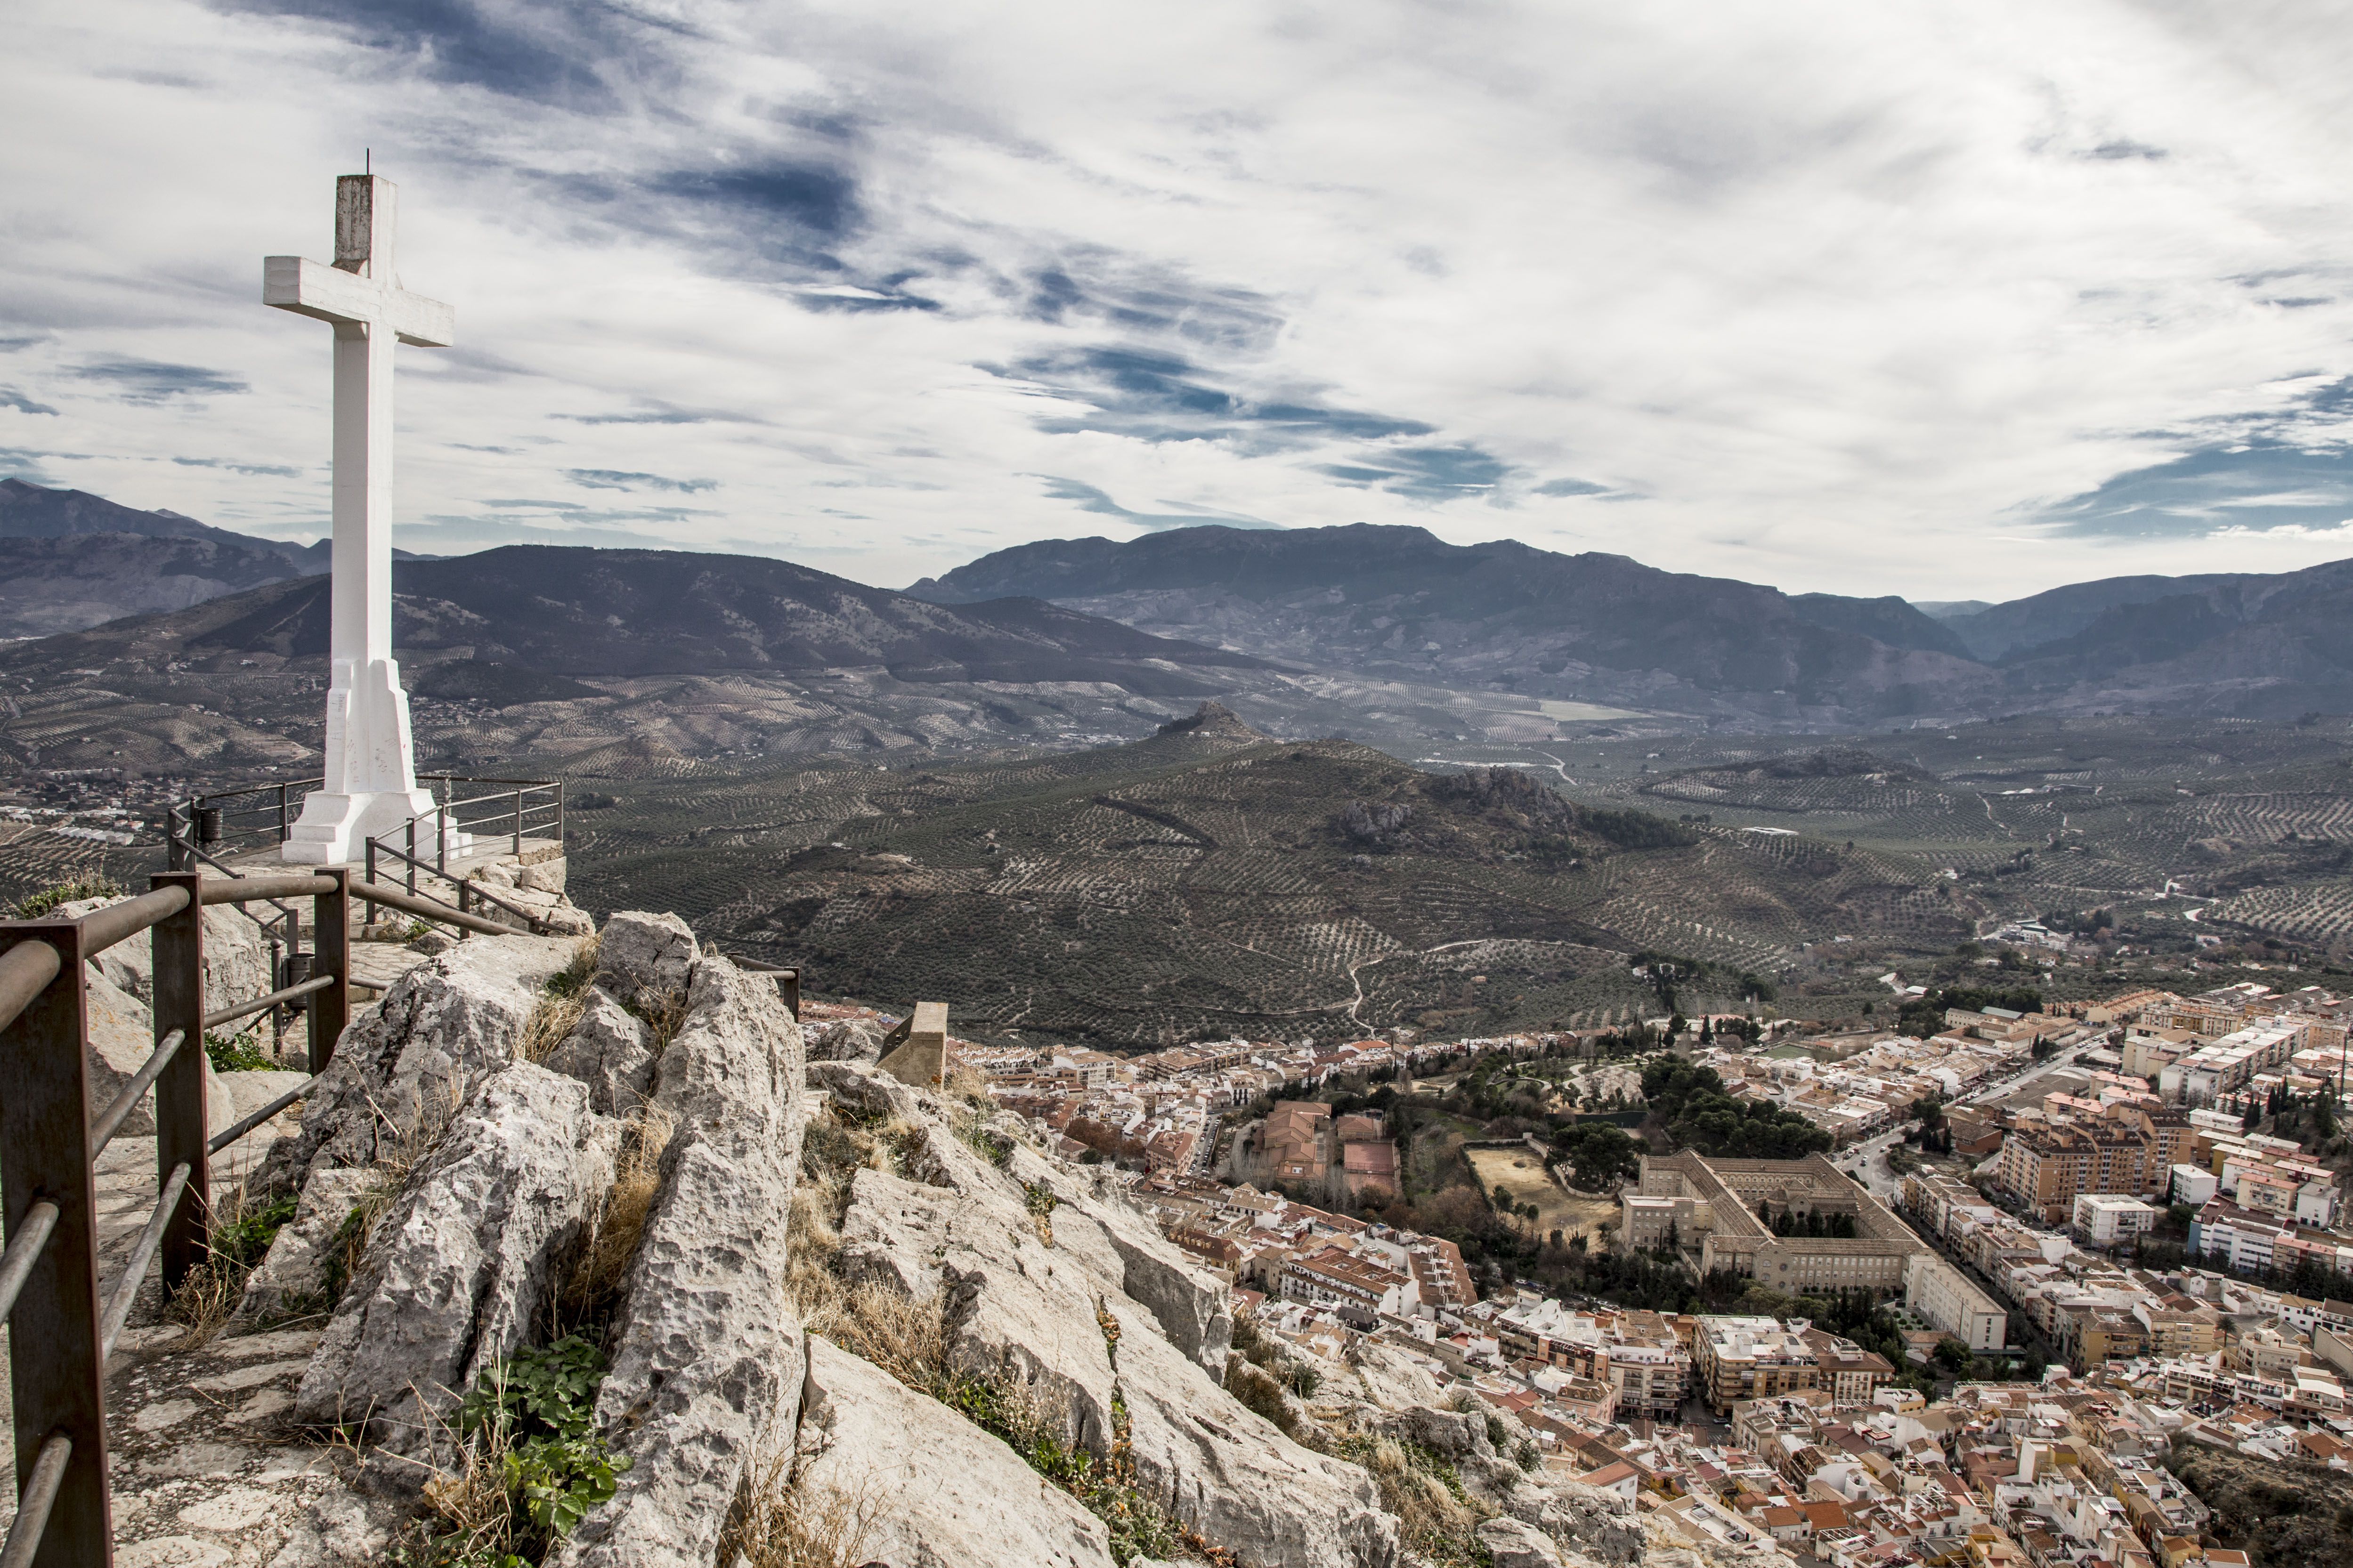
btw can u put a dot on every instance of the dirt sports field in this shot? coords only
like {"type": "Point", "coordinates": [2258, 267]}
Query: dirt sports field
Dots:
{"type": "Point", "coordinates": [1522, 1175]}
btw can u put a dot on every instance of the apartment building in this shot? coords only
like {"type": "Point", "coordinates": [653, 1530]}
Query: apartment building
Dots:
{"type": "Point", "coordinates": [1739, 1359]}
{"type": "Point", "coordinates": [2122, 1149]}
{"type": "Point", "coordinates": [1332, 1278]}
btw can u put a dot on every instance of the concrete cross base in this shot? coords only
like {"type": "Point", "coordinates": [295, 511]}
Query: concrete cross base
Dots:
{"type": "Point", "coordinates": [334, 829]}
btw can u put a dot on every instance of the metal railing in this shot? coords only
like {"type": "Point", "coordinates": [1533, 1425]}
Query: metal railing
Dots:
{"type": "Point", "coordinates": [61, 1330]}
{"type": "Point", "coordinates": [525, 809]}
{"type": "Point", "coordinates": [231, 822]}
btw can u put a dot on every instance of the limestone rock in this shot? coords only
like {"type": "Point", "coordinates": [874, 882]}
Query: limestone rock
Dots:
{"type": "Point", "coordinates": [612, 1052]}
{"type": "Point", "coordinates": [845, 1040]}
{"type": "Point", "coordinates": [236, 961]}
{"type": "Point", "coordinates": [553, 910]}
{"type": "Point", "coordinates": [341, 1529]}
{"type": "Point", "coordinates": [1600, 1524]}
{"type": "Point", "coordinates": [1230, 1475]}
{"type": "Point", "coordinates": [1457, 1435]}
{"type": "Point", "coordinates": [243, 1093]}
{"type": "Point", "coordinates": [122, 1038]}
{"type": "Point", "coordinates": [542, 876]}
{"type": "Point", "coordinates": [458, 1271]}
{"type": "Point", "coordinates": [1393, 1378]}
{"type": "Point", "coordinates": [643, 957]}
{"type": "Point", "coordinates": [941, 1493]}
{"type": "Point", "coordinates": [1193, 1307]}
{"type": "Point", "coordinates": [707, 1353]}
{"type": "Point", "coordinates": [1512, 1544]}
{"type": "Point", "coordinates": [294, 1270]}
{"type": "Point", "coordinates": [397, 1071]}
{"type": "Point", "coordinates": [1017, 1308]}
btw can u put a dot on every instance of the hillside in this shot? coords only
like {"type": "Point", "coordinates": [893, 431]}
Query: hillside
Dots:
{"type": "Point", "coordinates": [1210, 880]}
{"type": "Point", "coordinates": [690, 655]}
{"type": "Point", "coordinates": [71, 560]}
{"type": "Point", "coordinates": [1400, 604]}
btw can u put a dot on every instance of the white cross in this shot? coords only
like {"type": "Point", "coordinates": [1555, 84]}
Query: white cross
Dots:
{"type": "Point", "coordinates": [371, 768]}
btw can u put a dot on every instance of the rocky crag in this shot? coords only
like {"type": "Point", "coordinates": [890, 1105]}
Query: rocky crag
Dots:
{"type": "Point", "coordinates": [585, 1255]}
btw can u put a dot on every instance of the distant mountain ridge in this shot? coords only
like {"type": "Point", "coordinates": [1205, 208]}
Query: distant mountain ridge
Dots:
{"type": "Point", "coordinates": [1400, 603]}
{"type": "Point", "coordinates": [558, 612]}
{"type": "Point", "coordinates": [71, 560]}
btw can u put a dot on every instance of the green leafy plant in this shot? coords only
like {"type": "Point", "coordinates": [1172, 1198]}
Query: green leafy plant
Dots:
{"type": "Point", "coordinates": [533, 1416]}
{"type": "Point", "coordinates": [49, 897]}
{"type": "Point", "coordinates": [239, 1053]}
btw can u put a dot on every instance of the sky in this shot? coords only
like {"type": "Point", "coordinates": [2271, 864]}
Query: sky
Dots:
{"type": "Point", "coordinates": [1952, 300]}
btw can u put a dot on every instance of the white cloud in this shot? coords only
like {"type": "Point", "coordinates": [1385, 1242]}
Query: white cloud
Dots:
{"type": "Point", "coordinates": [1834, 296]}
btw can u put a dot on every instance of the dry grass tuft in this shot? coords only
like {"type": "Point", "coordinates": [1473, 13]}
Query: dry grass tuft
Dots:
{"type": "Point", "coordinates": [472, 1509]}
{"type": "Point", "coordinates": [781, 1522]}
{"type": "Point", "coordinates": [1420, 1501]}
{"type": "Point", "coordinates": [558, 1011]}
{"type": "Point", "coordinates": [593, 1280]}
{"type": "Point", "coordinates": [241, 1230]}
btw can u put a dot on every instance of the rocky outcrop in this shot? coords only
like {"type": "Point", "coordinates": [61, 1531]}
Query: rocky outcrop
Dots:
{"type": "Point", "coordinates": [927, 1489]}
{"type": "Point", "coordinates": [646, 960]}
{"type": "Point", "coordinates": [1511, 1544]}
{"type": "Point", "coordinates": [1058, 1321]}
{"type": "Point", "coordinates": [122, 1038]}
{"type": "Point", "coordinates": [236, 961]}
{"type": "Point", "coordinates": [707, 1353]}
{"type": "Point", "coordinates": [296, 1272]}
{"type": "Point", "coordinates": [846, 1040]}
{"type": "Point", "coordinates": [611, 1050]}
{"type": "Point", "coordinates": [458, 1270]}
{"type": "Point", "coordinates": [400, 1071]}
{"type": "Point", "coordinates": [1230, 1475]}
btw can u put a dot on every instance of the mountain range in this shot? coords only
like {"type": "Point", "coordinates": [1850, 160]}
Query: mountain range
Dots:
{"type": "Point", "coordinates": [71, 560]}
{"type": "Point", "coordinates": [1400, 604]}
{"type": "Point", "coordinates": [1378, 614]}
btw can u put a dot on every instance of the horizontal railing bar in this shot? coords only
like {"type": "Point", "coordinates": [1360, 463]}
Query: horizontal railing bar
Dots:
{"type": "Point", "coordinates": [425, 909]}
{"type": "Point", "coordinates": [759, 967]}
{"type": "Point", "coordinates": [227, 870]}
{"type": "Point", "coordinates": [26, 971]}
{"type": "Point", "coordinates": [260, 789]}
{"type": "Point", "coordinates": [263, 1004]}
{"type": "Point", "coordinates": [479, 891]}
{"type": "Point", "coordinates": [101, 929]}
{"type": "Point", "coordinates": [40, 1495]}
{"type": "Point", "coordinates": [467, 778]}
{"type": "Point", "coordinates": [135, 1272]}
{"type": "Point", "coordinates": [239, 1129]}
{"type": "Point", "coordinates": [282, 885]}
{"type": "Point", "coordinates": [25, 1250]}
{"type": "Point", "coordinates": [101, 1132]}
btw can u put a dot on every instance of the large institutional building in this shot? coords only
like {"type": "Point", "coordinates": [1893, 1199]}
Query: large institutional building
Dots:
{"type": "Point", "coordinates": [1713, 1212]}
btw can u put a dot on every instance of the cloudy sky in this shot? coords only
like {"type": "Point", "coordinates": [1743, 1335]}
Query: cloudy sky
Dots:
{"type": "Point", "coordinates": [1941, 299]}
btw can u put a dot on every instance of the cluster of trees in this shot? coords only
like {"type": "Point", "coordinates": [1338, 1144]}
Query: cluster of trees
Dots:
{"type": "Point", "coordinates": [1690, 1102]}
{"type": "Point", "coordinates": [2291, 1116]}
{"type": "Point", "coordinates": [1923, 1015]}
{"type": "Point", "coordinates": [1668, 970]}
{"type": "Point", "coordinates": [1787, 1221]}
{"type": "Point", "coordinates": [1596, 1153]}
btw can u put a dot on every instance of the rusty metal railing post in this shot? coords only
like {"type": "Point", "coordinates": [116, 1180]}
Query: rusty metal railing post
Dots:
{"type": "Point", "coordinates": [517, 822]}
{"type": "Point", "coordinates": [183, 1126]}
{"type": "Point", "coordinates": [331, 946]}
{"type": "Point", "coordinates": [560, 849]}
{"type": "Point", "coordinates": [57, 1371]}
